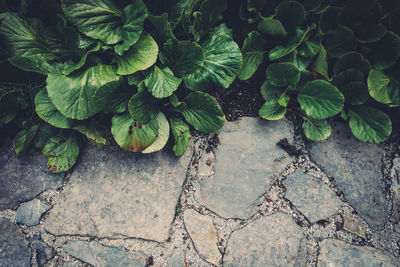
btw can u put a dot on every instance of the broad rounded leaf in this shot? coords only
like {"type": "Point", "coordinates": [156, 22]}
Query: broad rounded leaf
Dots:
{"type": "Point", "coordinates": [140, 56]}
{"type": "Point", "coordinates": [291, 14]}
{"type": "Point", "coordinates": [371, 33]}
{"type": "Point", "coordinates": [105, 21]}
{"type": "Point", "coordinates": [355, 93]}
{"type": "Point", "coordinates": [132, 135]}
{"type": "Point", "coordinates": [73, 95]}
{"type": "Point", "coordinates": [268, 91]}
{"type": "Point", "coordinates": [327, 21]}
{"type": "Point", "coordinates": [272, 27]}
{"type": "Point", "coordinates": [46, 110]}
{"type": "Point", "coordinates": [352, 60]}
{"type": "Point", "coordinates": [283, 74]}
{"type": "Point", "coordinates": [292, 42]}
{"type": "Point", "coordinates": [209, 13]}
{"type": "Point", "coordinates": [181, 133]}
{"type": "Point", "coordinates": [272, 110]}
{"type": "Point", "coordinates": [253, 53]}
{"type": "Point", "coordinates": [143, 107]}
{"type": "Point", "coordinates": [61, 152]}
{"type": "Point", "coordinates": [223, 61]}
{"type": "Point", "coordinates": [162, 28]}
{"type": "Point", "coordinates": [203, 112]}
{"type": "Point", "coordinates": [316, 130]}
{"type": "Point", "coordinates": [381, 88]}
{"type": "Point", "coordinates": [162, 135]}
{"type": "Point", "coordinates": [385, 52]}
{"type": "Point", "coordinates": [182, 57]}
{"type": "Point", "coordinates": [320, 100]}
{"type": "Point", "coordinates": [369, 124]}
{"type": "Point", "coordinates": [339, 42]}
{"type": "Point", "coordinates": [161, 82]}
{"type": "Point", "coordinates": [346, 76]}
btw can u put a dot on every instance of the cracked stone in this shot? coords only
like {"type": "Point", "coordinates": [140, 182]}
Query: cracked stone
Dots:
{"type": "Point", "coordinates": [311, 196]}
{"type": "Point", "coordinates": [99, 255]}
{"type": "Point", "coordinates": [247, 158]}
{"type": "Point", "coordinates": [14, 248]}
{"type": "Point", "coordinates": [357, 170]}
{"type": "Point", "coordinates": [113, 193]}
{"type": "Point", "coordinates": [339, 253]}
{"type": "Point", "coordinates": [29, 213]}
{"type": "Point", "coordinates": [206, 165]}
{"type": "Point", "coordinates": [395, 186]}
{"type": "Point", "coordinates": [22, 179]}
{"type": "Point", "coordinates": [202, 231]}
{"type": "Point", "coordinates": [353, 225]}
{"type": "Point", "coordinates": [43, 252]}
{"type": "Point", "coordinates": [274, 240]}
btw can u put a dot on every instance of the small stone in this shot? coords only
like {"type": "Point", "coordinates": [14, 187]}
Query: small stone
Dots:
{"type": "Point", "coordinates": [14, 248]}
{"type": "Point", "coordinates": [205, 168]}
{"type": "Point", "coordinates": [22, 179]}
{"type": "Point", "coordinates": [274, 240]}
{"type": "Point", "coordinates": [29, 213]}
{"type": "Point", "coordinates": [338, 253]}
{"type": "Point", "coordinates": [246, 160]}
{"type": "Point", "coordinates": [311, 196]}
{"type": "Point", "coordinates": [99, 255]}
{"type": "Point", "coordinates": [202, 231]}
{"type": "Point", "coordinates": [353, 225]}
{"type": "Point", "coordinates": [357, 170]}
{"type": "Point", "coordinates": [43, 252]}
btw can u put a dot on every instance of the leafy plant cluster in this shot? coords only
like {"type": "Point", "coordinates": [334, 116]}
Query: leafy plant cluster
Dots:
{"type": "Point", "coordinates": [139, 71]}
{"type": "Point", "coordinates": [326, 58]}
{"type": "Point", "coordinates": [145, 64]}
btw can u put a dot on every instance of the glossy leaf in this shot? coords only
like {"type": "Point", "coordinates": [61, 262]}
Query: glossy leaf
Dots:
{"type": "Point", "coordinates": [385, 52]}
{"type": "Point", "coordinates": [162, 135]}
{"type": "Point", "coordinates": [61, 152]}
{"type": "Point", "coordinates": [352, 60]}
{"type": "Point", "coordinates": [316, 130]}
{"type": "Point", "coordinates": [339, 42]}
{"type": "Point", "coordinates": [253, 53]}
{"type": "Point", "coordinates": [209, 13]}
{"type": "Point", "coordinates": [181, 133]}
{"type": "Point", "coordinates": [382, 88]}
{"type": "Point", "coordinates": [143, 107]}
{"type": "Point", "coordinates": [272, 110]}
{"type": "Point", "coordinates": [96, 133]}
{"type": "Point", "coordinates": [282, 74]}
{"type": "Point", "coordinates": [271, 27]}
{"type": "Point", "coordinates": [161, 82]}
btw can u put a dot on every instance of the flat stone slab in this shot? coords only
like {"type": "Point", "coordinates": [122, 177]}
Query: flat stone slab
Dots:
{"type": "Point", "coordinates": [29, 213]}
{"type": "Point", "coordinates": [14, 248]}
{"type": "Point", "coordinates": [311, 196]}
{"type": "Point", "coordinates": [357, 170]}
{"type": "Point", "coordinates": [99, 255]}
{"type": "Point", "coordinates": [22, 179]}
{"type": "Point", "coordinates": [338, 253]}
{"type": "Point", "coordinates": [246, 159]}
{"type": "Point", "coordinates": [274, 240]}
{"type": "Point", "coordinates": [113, 193]}
{"type": "Point", "coordinates": [204, 235]}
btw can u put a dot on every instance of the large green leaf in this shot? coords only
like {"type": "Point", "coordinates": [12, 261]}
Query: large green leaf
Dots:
{"type": "Point", "coordinates": [290, 44]}
{"type": "Point", "coordinates": [369, 124]}
{"type": "Point", "coordinates": [253, 53]}
{"type": "Point", "coordinates": [143, 107]}
{"type": "Point", "coordinates": [223, 62]}
{"type": "Point", "coordinates": [73, 95]}
{"type": "Point", "coordinates": [105, 21]}
{"type": "Point", "coordinates": [283, 74]}
{"type": "Point", "coordinates": [61, 152]}
{"type": "Point", "coordinates": [96, 133]}
{"type": "Point", "coordinates": [181, 133]}
{"type": "Point", "coordinates": [268, 91]}
{"type": "Point", "coordinates": [385, 52]}
{"type": "Point", "coordinates": [209, 13]}
{"type": "Point", "coordinates": [272, 110]}
{"type": "Point", "coordinates": [320, 100]}
{"type": "Point", "coordinates": [291, 14]}
{"type": "Point", "coordinates": [140, 56]}
{"type": "Point", "coordinates": [46, 110]}
{"type": "Point", "coordinates": [272, 27]}
{"type": "Point", "coordinates": [161, 82]}
{"type": "Point", "coordinates": [352, 60]}
{"type": "Point", "coordinates": [203, 112]}
{"type": "Point", "coordinates": [132, 135]}
{"type": "Point", "coordinates": [182, 57]}
{"type": "Point", "coordinates": [162, 135]}
{"type": "Point", "coordinates": [339, 42]}
{"type": "Point", "coordinates": [316, 130]}
{"type": "Point", "coordinates": [383, 88]}
{"type": "Point", "coordinates": [162, 28]}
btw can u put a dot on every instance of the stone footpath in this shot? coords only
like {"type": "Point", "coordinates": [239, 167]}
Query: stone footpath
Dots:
{"type": "Point", "coordinates": [234, 199]}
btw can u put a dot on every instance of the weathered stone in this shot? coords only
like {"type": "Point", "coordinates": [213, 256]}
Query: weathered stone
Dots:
{"type": "Point", "coordinates": [356, 168]}
{"type": "Point", "coordinates": [202, 231]}
{"type": "Point", "coordinates": [14, 248]}
{"type": "Point", "coordinates": [113, 193]}
{"type": "Point", "coordinates": [247, 158]}
{"type": "Point", "coordinates": [275, 240]}
{"type": "Point", "coordinates": [29, 213]}
{"type": "Point", "coordinates": [311, 196]}
{"type": "Point", "coordinates": [22, 179]}
{"type": "Point", "coordinates": [177, 259]}
{"type": "Point", "coordinates": [206, 164]}
{"type": "Point", "coordinates": [338, 253]}
{"type": "Point", "coordinates": [353, 225]}
{"type": "Point", "coordinates": [395, 217]}
{"type": "Point", "coordinates": [43, 252]}
{"type": "Point", "coordinates": [99, 255]}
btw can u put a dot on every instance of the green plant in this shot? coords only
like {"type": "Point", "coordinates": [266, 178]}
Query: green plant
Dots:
{"type": "Point", "coordinates": [145, 64]}
{"type": "Point", "coordinates": [328, 59]}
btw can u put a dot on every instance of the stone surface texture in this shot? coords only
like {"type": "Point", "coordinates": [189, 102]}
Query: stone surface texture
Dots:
{"type": "Point", "coordinates": [204, 235]}
{"type": "Point", "coordinates": [357, 170]}
{"type": "Point", "coordinates": [275, 240]}
{"type": "Point", "coordinates": [246, 159]}
{"type": "Point", "coordinates": [311, 196]}
{"type": "Point", "coordinates": [22, 179]}
{"type": "Point", "coordinates": [14, 248]}
{"type": "Point", "coordinates": [338, 253]}
{"type": "Point", "coordinates": [353, 225]}
{"type": "Point", "coordinates": [114, 193]}
{"type": "Point", "coordinates": [29, 213]}
{"type": "Point", "coordinates": [43, 252]}
{"type": "Point", "coordinates": [99, 255]}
